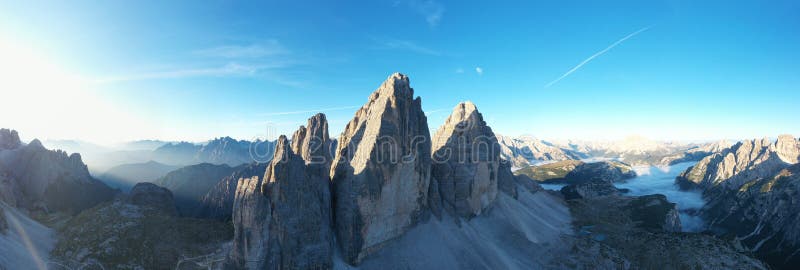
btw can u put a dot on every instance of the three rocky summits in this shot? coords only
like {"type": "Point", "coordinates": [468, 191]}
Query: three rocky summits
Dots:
{"type": "Point", "coordinates": [324, 203]}
{"type": "Point", "coordinates": [378, 185]}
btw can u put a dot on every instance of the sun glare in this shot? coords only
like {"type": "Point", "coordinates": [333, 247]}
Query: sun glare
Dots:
{"type": "Point", "coordinates": [46, 101]}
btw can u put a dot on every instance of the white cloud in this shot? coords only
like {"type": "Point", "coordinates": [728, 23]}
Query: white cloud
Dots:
{"type": "Point", "coordinates": [479, 70]}
{"type": "Point", "coordinates": [227, 70]}
{"type": "Point", "coordinates": [431, 10]}
{"type": "Point", "coordinates": [268, 48]}
{"type": "Point", "coordinates": [596, 55]}
{"type": "Point", "coordinates": [406, 45]}
{"type": "Point", "coordinates": [459, 70]}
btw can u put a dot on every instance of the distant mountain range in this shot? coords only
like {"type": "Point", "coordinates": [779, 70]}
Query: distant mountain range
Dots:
{"type": "Point", "coordinates": [126, 176]}
{"type": "Point", "coordinates": [526, 150]}
{"type": "Point", "coordinates": [223, 150]}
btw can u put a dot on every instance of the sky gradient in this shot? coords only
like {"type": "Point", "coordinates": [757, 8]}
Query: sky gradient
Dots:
{"type": "Point", "coordinates": [668, 70]}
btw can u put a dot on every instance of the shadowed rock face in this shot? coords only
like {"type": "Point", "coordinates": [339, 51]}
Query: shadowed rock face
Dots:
{"type": "Point", "coordinates": [9, 139]}
{"type": "Point", "coordinates": [466, 163]}
{"type": "Point", "coordinates": [283, 220]}
{"type": "Point", "coordinates": [218, 202]}
{"type": "Point", "coordinates": [381, 171]}
{"type": "Point", "coordinates": [36, 179]}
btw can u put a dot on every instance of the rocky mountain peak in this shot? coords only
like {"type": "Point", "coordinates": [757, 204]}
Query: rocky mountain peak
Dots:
{"type": "Point", "coordinates": [312, 141]}
{"type": "Point", "coordinates": [466, 163]}
{"type": "Point", "coordinates": [788, 148]}
{"type": "Point", "coordinates": [9, 139]}
{"type": "Point", "coordinates": [284, 222]}
{"type": "Point", "coordinates": [396, 84]}
{"type": "Point", "coordinates": [381, 170]}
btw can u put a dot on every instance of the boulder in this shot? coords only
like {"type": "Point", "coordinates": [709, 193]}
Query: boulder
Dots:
{"type": "Point", "coordinates": [151, 195]}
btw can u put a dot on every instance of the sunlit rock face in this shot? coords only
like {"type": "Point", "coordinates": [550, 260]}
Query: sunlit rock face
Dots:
{"type": "Point", "coordinates": [742, 162]}
{"type": "Point", "coordinates": [752, 194]}
{"type": "Point", "coordinates": [282, 221]}
{"type": "Point", "coordinates": [38, 179]}
{"type": "Point", "coordinates": [466, 163]}
{"type": "Point", "coordinates": [381, 171]}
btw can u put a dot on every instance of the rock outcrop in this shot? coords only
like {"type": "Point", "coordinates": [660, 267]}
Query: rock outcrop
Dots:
{"type": "Point", "coordinates": [466, 162]}
{"type": "Point", "coordinates": [151, 195]}
{"type": "Point", "coordinates": [38, 179]}
{"type": "Point", "coordinates": [589, 189]}
{"type": "Point", "coordinates": [9, 139]}
{"type": "Point", "coordinates": [381, 171]}
{"type": "Point", "coordinates": [283, 220]}
{"type": "Point", "coordinates": [742, 162]}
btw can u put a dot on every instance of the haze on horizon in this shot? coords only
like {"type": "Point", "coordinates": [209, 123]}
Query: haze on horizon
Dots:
{"type": "Point", "coordinates": [664, 70]}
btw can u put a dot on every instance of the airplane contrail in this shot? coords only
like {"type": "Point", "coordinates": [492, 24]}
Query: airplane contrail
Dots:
{"type": "Point", "coordinates": [596, 55]}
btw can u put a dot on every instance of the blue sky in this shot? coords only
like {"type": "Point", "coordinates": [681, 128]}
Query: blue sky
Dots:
{"type": "Point", "coordinates": [676, 70]}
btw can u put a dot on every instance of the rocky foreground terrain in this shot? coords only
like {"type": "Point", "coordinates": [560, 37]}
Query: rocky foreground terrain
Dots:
{"type": "Point", "coordinates": [138, 231]}
{"type": "Point", "coordinates": [644, 233]}
{"type": "Point", "coordinates": [390, 197]}
{"type": "Point", "coordinates": [752, 191]}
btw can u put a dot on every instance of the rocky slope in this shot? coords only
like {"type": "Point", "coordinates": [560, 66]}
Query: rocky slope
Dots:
{"type": "Point", "coordinates": [140, 231]}
{"type": "Point", "coordinates": [382, 170]}
{"type": "Point", "coordinates": [466, 161]}
{"type": "Point", "coordinates": [752, 189]}
{"type": "Point", "coordinates": [191, 183]}
{"type": "Point", "coordinates": [283, 220]}
{"type": "Point", "coordinates": [24, 243]}
{"type": "Point", "coordinates": [572, 171]}
{"type": "Point", "coordinates": [37, 179]}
